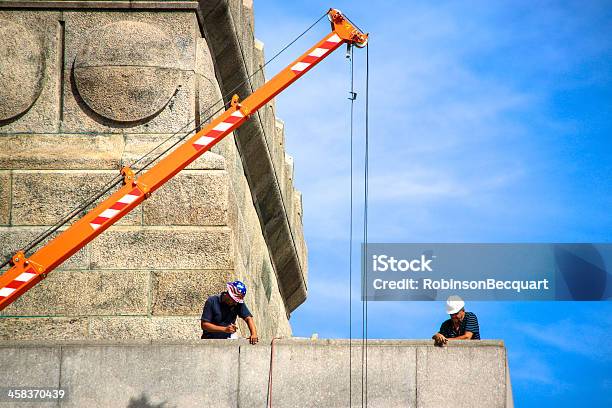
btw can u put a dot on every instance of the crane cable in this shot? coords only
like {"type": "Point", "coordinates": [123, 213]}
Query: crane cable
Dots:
{"type": "Point", "coordinates": [365, 228]}
{"type": "Point", "coordinates": [116, 180]}
{"type": "Point", "coordinates": [352, 97]}
{"type": "Point", "coordinates": [364, 311]}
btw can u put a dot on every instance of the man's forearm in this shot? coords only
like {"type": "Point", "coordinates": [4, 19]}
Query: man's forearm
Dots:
{"type": "Point", "coordinates": [466, 336]}
{"type": "Point", "coordinates": [213, 328]}
{"type": "Point", "coordinates": [251, 323]}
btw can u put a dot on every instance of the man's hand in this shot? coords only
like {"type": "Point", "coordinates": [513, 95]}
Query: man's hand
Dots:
{"type": "Point", "coordinates": [231, 329]}
{"type": "Point", "coordinates": [439, 340]}
{"type": "Point", "coordinates": [253, 339]}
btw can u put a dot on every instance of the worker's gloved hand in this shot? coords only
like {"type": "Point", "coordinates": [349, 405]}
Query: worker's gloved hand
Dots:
{"type": "Point", "coordinates": [440, 340]}
{"type": "Point", "coordinates": [230, 329]}
{"type": "Point", "coordinates": [253, 339]}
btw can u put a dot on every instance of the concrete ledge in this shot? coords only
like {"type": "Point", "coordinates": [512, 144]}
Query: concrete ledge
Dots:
{"type": "Point", "coordinates": [232, 373]}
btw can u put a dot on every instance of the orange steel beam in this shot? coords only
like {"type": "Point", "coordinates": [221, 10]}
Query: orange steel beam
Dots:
{"type": "Point", "coordinates": [27, 272]}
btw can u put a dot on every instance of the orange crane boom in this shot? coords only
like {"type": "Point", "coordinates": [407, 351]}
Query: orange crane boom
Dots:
{"type": "Point", "coordinates": [26, 272]}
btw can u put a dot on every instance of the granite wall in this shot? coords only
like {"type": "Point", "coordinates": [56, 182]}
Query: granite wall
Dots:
{"type": "Point", "coordinates": [87, 87]}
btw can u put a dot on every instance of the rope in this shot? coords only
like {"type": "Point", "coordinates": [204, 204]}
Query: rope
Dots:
{"type": "Point", "coordinates": [80, 208]}
{"type": "Point", "coordinates": [269, 396]}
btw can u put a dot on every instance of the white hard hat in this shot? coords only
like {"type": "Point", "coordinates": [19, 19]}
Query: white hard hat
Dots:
{"type": "Point", "coordinates": [454, 304]}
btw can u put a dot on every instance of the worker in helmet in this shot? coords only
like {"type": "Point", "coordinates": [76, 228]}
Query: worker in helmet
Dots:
{"type": "Point", "coordinates": [220, 311]}
{"type": "Point", "coordinates": [462, 325]}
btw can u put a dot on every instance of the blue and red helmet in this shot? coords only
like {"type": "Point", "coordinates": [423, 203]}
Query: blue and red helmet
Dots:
{"type": "Point", "coordinates": [237, 291]}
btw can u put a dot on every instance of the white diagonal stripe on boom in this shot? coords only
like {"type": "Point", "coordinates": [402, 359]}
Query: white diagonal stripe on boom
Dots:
{"type": "Point", "coordinates": [300, 66]}
{"type": "Point", "coordinates": [128, 199]}
{"type": "Point", "coordinates": [4, 292]}
{"type": "Point", "coordinates": [109, 213]}
{"type": "Point", "coordinates": [318, 52]}
{"type": "Point", "coordinates": [24, 277]}
{"type": "Point", "coordinates": [334, 38]}
{"type": "Point", "coordinates": [223, 126]}
{"type": "Point", "coordinates": [204, 140]}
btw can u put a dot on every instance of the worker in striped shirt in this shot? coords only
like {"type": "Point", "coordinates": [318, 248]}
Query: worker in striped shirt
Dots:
{"type": "Point", "coordinates": [462, 325]}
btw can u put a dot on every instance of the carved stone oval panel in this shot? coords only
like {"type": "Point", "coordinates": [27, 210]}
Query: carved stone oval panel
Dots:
{"type": "Point", "coordinates": [126, 71]}
{"type": "Point", "coordinates": [21, 69]}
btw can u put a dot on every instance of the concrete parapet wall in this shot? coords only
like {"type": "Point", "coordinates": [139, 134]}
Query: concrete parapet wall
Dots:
{"type": "Point", "coordinates": [231, 373]}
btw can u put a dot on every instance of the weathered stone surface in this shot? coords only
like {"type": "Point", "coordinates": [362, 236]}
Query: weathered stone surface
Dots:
{"type": "Point", "coordinates": [161, 80]}
{"type": "Point", "coordinates": [150, 376]}
{"type": "Point", "coordinates": [163, 248]}
{"type": "Point", "coordinates": [29, 71]}
{"type": "Point", "coordinates": [5, 197]}
{"type": "Point", "coordinates": [184, 292]}
{"type": "Point", "coordinates": [126, 94]}
{"type": "Point", "coordinates": [21, 69]}
{"type": "Point", "coordinates": [139, 145]}
{"type": "Point", "coordinates": [305, 373]}
{"type": "Point", "coordinates": [204, 64]}
{"type": "Point", "coordinates": [53, 151]}
{"type": "Point", "coordinates": [179, 26]}
{"type": "Point", "coordinates": [79, 117]}
{"type": "Point", "coordinates": [209, 99]}
{"type": "Point", "coordinates": [129, 327]}
{"type": "Point", "coordinates": [85, 293]}
{"type": "Point", "coordinates": [190, 198]}
{"type": "Point", "coordinates": [298, 231]}
{"type": "Point", "coordinates": [320, 371]}
{"type": "Point", "coordinates": [43, 197]}
{"type": "Point", "coordinates": [29, 367]}
{"type": "Point", "coordinates": [49, 328]}
{"type": "Point", "coordinates": [116, 82]}
{"type": "Point", "coordinates": [481, 368]}
{"type": "Point", "coordinates": [14, 238]}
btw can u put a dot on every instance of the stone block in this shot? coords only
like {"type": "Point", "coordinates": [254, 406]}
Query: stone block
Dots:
{"type": "Point", "coordinates": [138, 146]}
{"type": "Point", "coordinates": [37, 151]}
{"type": "Point", "coordinates": [149, 328]}
{"type": "Point", "coordinates": [479, 371]}
{"type": "Point", "coordinates": [287, 188]}
{"type": "Point", "coordinates": [184, 292]}
{"type": "Point", "coordinates": [172, 116]}
{"type": "Point", "coordinates": [163, 248]}
{"type": "Point", "coordinates": [320, 370]}
{"type": "Point", "coordinates": [85, 293]}
{"type": "Point", "coordinates": [209, 99]}
{"type": "Point", "coordinates": [180, 26]}
{"type": "Point", "coordinates": [204, 64]}
{"type": "Point", "coordinates": [147, 376]}
{"type": "Point", "coordinates": [155, 50]}
{"type": "Point", "coordinates": [29, 367]}
{"type": "Point", "coordinates": [190, 198]}
{"type": "Point", "coordinates": [44, 197]}
{"type": "Point", "coordinates": [5, 197]}
{"type": "Point", "coordinates": [29, 71]}
{"type": "Point", "coordinates": [248, 36]}
{"type": "Point", "coordinates": [259, 78]}
{"type": "Point", "coordinates": [48, 328]}
{"type": "Point", "coordinates": [14, 238]}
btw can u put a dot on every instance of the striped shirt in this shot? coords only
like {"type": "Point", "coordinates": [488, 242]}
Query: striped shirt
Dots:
{"type": "Point", "coordinates": [469, 323]}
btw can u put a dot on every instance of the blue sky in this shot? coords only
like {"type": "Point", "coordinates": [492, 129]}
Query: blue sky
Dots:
{"type": "Point", "coordinates": [489, 122]}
